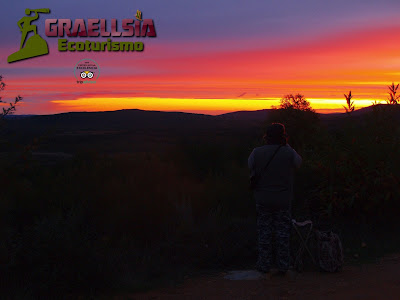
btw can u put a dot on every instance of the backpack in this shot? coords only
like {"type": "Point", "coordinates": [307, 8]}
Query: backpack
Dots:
{"type": "Point", "coordinates": [330, 251]}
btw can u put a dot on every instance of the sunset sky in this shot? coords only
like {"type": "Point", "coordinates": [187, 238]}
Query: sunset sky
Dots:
{"type": "Point", "coordinates": [213, 56]}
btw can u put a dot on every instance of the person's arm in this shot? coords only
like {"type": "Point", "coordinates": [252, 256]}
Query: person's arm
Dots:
{"type": "Point", "coordinates": [19, 24]}
{"type": "Point", "coordinates": [36, 16]}
{"type": "Point", "coordinates": [251, 163]}
{"type": "Point", "coordinates": [297, 160]}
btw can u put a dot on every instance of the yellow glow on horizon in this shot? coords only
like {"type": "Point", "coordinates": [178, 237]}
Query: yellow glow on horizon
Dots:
{"type": "Point", "coordinates": [168, 104]}
{"type": "Point", "coordinates": [194, 104]}
{"type": "Point", "coordinates": [337, 103]}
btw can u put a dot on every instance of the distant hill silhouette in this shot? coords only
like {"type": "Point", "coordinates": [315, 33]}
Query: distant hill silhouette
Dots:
{"type": "Point", "coordinates": [129, 119]}
{"type": "Point", "coordinates": [244, 115]}
{"type": "Point", "coordinates": [144, 117]}
{"type": "Point", "coordinates": [123, 130]}
{"type": "Point", "coordinates": [261, 115]}
{"type": "Point", "coordinates": [356, 113]}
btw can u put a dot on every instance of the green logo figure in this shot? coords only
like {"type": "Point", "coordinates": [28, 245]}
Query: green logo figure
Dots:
{"type": "Point", "coordinates": [35, 45]}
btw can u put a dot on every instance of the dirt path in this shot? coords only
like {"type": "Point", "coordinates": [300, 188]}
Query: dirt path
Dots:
{"type": "Point", "coordinates": [373, 281]}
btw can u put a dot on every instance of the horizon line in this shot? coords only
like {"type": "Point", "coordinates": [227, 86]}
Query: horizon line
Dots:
{"type": "Point", "coordinates": [318, 111]}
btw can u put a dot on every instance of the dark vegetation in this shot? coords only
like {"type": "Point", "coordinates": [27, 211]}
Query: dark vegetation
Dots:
{"type": "Point", "coordinates": [126, 200]}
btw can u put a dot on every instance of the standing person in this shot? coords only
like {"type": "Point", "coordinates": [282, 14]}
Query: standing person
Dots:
{"type": "Point", "coordinates": [272, 168]}
{"type": "Point", "coordinates": [25, 25]}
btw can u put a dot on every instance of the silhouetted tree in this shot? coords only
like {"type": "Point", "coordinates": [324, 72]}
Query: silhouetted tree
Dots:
{"type": "Point", "coordinates": [297, 101]}
{"type": "Point", "coordinates": [300, 119]}
{"type": "Point", "coordinates": [12, 105]}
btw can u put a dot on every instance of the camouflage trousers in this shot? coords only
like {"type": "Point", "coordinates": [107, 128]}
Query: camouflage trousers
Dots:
{"type": "Point", "coordinates": [273, 234]}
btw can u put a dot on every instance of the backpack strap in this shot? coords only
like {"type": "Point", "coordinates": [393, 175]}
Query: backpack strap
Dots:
{"type": "Point", "coordinates": [273, 155]}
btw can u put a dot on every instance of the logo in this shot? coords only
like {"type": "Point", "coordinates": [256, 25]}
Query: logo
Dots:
{"type": "Point", "coordinates": [80, 28]}
{"type": "Point", "coordinates": [86, 71]}
{"type": "Point", "coordinates": [138, 15]}
{"type": "Point", "coordinates": [35, 45]}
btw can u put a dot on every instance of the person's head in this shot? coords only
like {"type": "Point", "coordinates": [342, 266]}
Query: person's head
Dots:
{"type": "Point", "coordinates": [27, 11]}
{"type": "Point", "coordinates": [275, 134]}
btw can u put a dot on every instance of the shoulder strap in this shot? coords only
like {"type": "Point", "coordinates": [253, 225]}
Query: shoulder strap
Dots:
{"type": "Point", "coordinates": [273, 155]}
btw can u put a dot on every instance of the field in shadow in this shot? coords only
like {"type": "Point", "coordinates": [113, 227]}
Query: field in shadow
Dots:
{"type": "Point", "coordinates": [96, 202]}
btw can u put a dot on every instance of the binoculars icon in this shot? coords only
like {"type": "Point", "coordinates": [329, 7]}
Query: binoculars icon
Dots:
{"type": "Point", "coordinates": [87, 74]}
